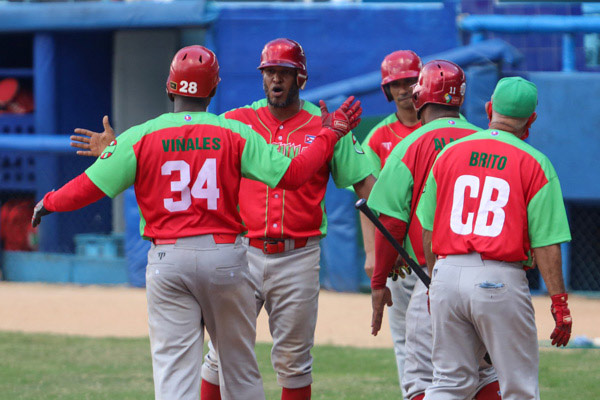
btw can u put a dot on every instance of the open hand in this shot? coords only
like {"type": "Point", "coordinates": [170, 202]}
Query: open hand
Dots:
{"type": "Point", "coordinates": [342, 120]}
{"type": "Point", "coordinates": [94, 144]}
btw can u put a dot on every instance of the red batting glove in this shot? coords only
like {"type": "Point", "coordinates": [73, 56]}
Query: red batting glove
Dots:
{"type": "Point", "coordinates": [342, 120]}
{"type": "Point", "coordinates": [562, 316]}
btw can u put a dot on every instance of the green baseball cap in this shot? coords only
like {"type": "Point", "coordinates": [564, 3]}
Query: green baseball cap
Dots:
{"type": "Point", "coordinates": [515, 97]}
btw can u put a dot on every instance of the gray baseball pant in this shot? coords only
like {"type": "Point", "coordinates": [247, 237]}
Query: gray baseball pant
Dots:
{"type": "Point", "coordinates": [477, 305]}
{"type": "Point", "coordinates": [419, 369]}
{"type": "Point", "coordinates": [190, 285]}
{"type": "Point", "coordinates": [401, 290]}
{"type": "Point", "coordinates": [288, 287]}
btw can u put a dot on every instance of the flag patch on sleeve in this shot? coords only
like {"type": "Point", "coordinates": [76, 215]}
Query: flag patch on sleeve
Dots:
{"type": "Point", "coordinates": [308, 139]}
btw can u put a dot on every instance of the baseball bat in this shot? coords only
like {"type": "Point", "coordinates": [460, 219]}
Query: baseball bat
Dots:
{"type": "Point", "coordinates": [362, 206]}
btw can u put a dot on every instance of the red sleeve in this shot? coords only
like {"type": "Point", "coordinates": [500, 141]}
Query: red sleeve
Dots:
{"type": "Point", "coordinates": [385, 253]}
{"type": "Point", "coordinates": [76, 194]}
{"type": "Point", "coordinates": [304, 166]}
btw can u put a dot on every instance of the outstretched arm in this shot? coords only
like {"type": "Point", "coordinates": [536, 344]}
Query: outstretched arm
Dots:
{"type": "Point", "coordinates": [76, 194]}
{"type": "Point", "coordinates": [334, 126]}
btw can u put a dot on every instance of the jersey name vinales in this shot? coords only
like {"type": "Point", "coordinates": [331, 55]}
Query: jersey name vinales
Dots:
{"type": "Point", "coordinates": [279, 213]}
{"type": "Point", "coordinates": [382, 139]}
{"type": "Point", "coordinates": [400, 184]}
{"type": "Point", "coordinates": [501, 197]}
{"type": "Point", "coordinates": [186, 170]}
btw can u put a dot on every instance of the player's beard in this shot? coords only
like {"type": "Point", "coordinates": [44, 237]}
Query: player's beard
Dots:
{"type": "Point", "coordinates": [291, 97]}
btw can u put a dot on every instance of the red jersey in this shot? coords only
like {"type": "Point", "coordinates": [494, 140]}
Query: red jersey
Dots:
{"type": "Point", "coordinates": [382, 139]}
{"type": "Point", "coordinates": [191, 164]}
{"type": "Point", "coordinates": [279, 213]}
{"type": "Point", "coordinates": [398, 189]}
{"type": "Point", "coordinates": [495, 195]}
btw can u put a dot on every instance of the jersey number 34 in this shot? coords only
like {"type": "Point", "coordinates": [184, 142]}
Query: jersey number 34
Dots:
{"type": "Point", "coordinates": [486, 206]}
{"type": "Point", "coordinates": [206, 177]}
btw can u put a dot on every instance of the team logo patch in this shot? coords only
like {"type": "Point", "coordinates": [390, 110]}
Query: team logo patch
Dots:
{"type": "Point", "coordinates": [173, 85]}
{"type": "Point", "coordinates": [452, 122]}
{"type": "Point", "coordinates": [357, 147]}
{"type": "Point", "coordinates": [308, 139]}
{"type": "Point", "coordinates": [448, 97]}
{"type": "Point", "coordinates": [188, 117]}
{"type": "Point", "coordinates": [387, 145]}
{"type": "Point", "coordinates": [110, 149]}
{"type": "Point", "coordinates": [494, 133]}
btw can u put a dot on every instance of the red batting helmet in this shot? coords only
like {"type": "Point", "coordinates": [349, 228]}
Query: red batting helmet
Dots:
{"type": "Point", "coordinates": [285, 53]}
{"type": "Point", "coordinates": [440, 82]}
{"type": "Point", "coordinates": [400, 64]}
{"type": "Point", "coordinates": [194, 72]}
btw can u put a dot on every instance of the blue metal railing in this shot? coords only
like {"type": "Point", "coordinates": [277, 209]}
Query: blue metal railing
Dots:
{"type": "Point", "coordinates": [38, 143]}
{"type": "Point", "coordinates": [494, 50]}
{"type": "Point", "coordinates": [567, 25]}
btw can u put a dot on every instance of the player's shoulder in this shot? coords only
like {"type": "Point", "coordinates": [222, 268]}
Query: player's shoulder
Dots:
{"type": "Point", "coordinates": [232, 124]}
{"type": "Point", "coordinates": [251, 108]}
{"type": "Point", "coordinates": [390, 119]}
{"type": "Point", "coordinates": [311, 108]}
{"type": "Point", "coordinates": [152, 125]}
{"type": "Point", "coordinates": [516, 142]}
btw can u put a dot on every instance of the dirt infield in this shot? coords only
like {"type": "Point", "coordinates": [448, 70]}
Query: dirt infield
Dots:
{"type": "Point", "coordinates": [344, 319]}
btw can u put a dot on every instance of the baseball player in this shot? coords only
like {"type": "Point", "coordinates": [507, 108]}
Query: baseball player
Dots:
{"type": "Point", "coordinates": [437, 97]}
{"type": "Point", "coordinates": [489, 199]}
{"type": "Point", "coordinates": [284, 228]}
{"type": "Point", "coordinates": [399, 71]}
{"type": "Point", "coordinates": [186, 168]}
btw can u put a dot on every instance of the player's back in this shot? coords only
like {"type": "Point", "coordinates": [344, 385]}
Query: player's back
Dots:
{"type": "Point", "coordinates": [187, 168]}
{"type": "Point", "coordinates": [492, 181]}
{"type": "Point", "coordinates": [418, 152]}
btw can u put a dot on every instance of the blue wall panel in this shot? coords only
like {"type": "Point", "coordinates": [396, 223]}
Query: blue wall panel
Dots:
{"type": "Point", "coordinates": [83, 94]}
{"type": "Point", "coordinates": [567, 129]}
{"type": "Point", "coordinates": [339, 41]}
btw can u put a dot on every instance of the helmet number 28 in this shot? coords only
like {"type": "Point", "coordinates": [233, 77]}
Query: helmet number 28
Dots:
{"type": "Point", "coordinates": [206, 177]}
{"type": "Point", "coordinates": [188, 87]}
{"type": "Point", "coordinates": [491, 186]}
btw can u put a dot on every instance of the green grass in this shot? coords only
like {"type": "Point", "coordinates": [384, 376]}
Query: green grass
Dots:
{"type": "Point", "coordinates": [66, 367]}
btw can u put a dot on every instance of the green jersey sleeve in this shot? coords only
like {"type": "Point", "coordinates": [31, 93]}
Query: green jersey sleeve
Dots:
{"type": "Point", "coordinates": [392, 193]}
{"type": "Point", "coordinates": [349, 164]}
{"type": "Point", "coordinates": [546, 215]}
{"type": "Point", "coordinates": [115, 169]}
{"type": "Point", "coordinates": [260, 161]}
{"type": "Point", "coordinates": [373, 157]}
{"type": "Point", "coordinates": [427, 203]}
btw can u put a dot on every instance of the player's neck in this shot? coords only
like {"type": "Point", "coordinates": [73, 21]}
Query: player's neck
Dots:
{"type": "Point", "coordinates": [283, 113]}
{"type": "Point", "coordinates": [184, 104]}
{"type": "Point", "coordinates": [502, 126]}
{"type": "Point", "coordinates": [432, 113]}
{"type": "Point", "coordinates": [407, 117]}
{"type": "Point", "coordinates": [189, 108]}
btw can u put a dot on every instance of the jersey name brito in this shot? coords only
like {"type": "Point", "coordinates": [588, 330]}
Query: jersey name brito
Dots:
{"type": "Point", "coordinates": [501, 197]}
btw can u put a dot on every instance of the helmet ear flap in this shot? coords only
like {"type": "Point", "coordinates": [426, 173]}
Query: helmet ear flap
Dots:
{"type": "Point", "coordinates": [387, 92]}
